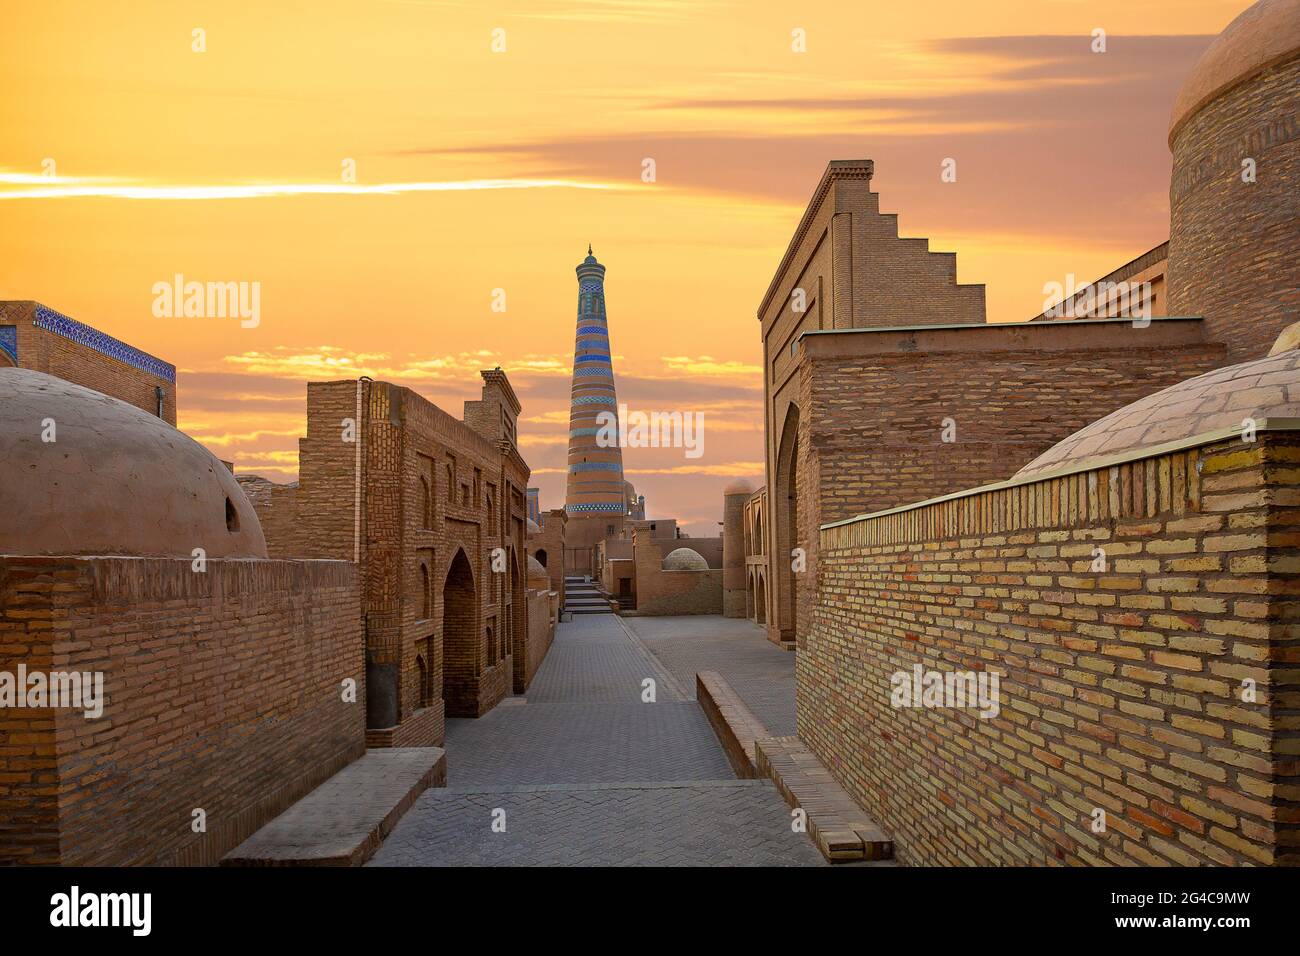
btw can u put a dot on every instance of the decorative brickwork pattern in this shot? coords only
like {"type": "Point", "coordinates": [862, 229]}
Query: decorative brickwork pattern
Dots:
{"type": "Point", "coordinates": [44, 340]}
{"type": "Point", "coordinates": [422, 499]}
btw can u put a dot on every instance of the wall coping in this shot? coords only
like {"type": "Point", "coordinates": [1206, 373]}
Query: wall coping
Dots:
{"type": "Point", "coordinates": [1055, 335]}
{"type": "Point", "coordinates": [1031, 323]}
{"type": "Point", "coordinates": [1089, 464]}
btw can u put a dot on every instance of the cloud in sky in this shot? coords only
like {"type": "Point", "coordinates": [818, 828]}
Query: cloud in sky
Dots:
{"type": "Point", "coordinates": [26, 186]}
{"type": "Point", "coordinates": [479, 171]}
{"type": "Point", "coordinates": [1047, 104]}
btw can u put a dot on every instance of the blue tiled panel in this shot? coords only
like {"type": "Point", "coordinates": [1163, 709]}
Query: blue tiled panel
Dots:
{"type": "Point", "coordinates": [586, 372]}
{"type": "Point", "coordinates": [9, 341]}
{"type": "Point", "coordinates": [71, 329]}
{"type": "Point", "coordinates": [595, 400]}
{"type": "Point", "coordinates": [596, 466]}
{"type": "Point", "coordinates": [604, 508]}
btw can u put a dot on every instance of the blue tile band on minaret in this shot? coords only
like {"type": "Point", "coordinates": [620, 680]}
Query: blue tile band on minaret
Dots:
{"type": "Point", "coordinates": [595, 473]}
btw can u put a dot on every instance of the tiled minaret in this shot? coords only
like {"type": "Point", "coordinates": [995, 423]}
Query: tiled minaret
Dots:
{"type": "Point", "coordinates": [593, 501]}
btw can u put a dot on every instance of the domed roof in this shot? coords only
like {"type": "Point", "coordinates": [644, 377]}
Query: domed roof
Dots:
{"type": "Point", "coordinates": [738, 487]}
{"type": "Point", "coordinates": [538, 578]}
{"type": "Point", "coordinates": [115, 480]}
{"type": "Point", "coordinates": [1265, 33]}
{"type": "Point", "coordinates": [685, 559]}
{"type": "Point", "coordinates": [1266, 388]}
{"type": "Point", "coordinates": [532, 527]}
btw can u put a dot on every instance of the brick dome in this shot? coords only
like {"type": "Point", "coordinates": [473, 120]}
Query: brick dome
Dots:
{"type": "Point", "coordinates": [685, 559]}
{"type": "Point", "coordinates": [538, 578]}
{"type": "Point", "coordinates": [1264, 34]}
{"type": "Point", "coordinates": [1265, 388]}
{"type": "Point", "coordinates": [115, 481]}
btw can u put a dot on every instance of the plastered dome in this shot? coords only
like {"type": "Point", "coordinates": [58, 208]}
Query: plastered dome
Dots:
{"type": "Point", "coordinates": [114, 481]}
{"type": "Point", "coordinates": [531, 527]}
{"type": "Point", "coordinates": [684, 559]}
{"type": "Point", "coordinates": [738, 487]}
{"type": "Point", "coordinates": [1222, 399]}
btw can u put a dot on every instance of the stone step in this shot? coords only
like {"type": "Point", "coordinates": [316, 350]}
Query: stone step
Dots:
{"type": "Point", "coordinates": [344, 820]}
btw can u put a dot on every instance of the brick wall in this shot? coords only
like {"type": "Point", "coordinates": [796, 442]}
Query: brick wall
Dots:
{"type": "Point", "coordinates": [1121, 690]}
{"type": "Point", "coordinates": [82, 364]}
{"type": "Point", "coordinates": [660, 592]}
{"type": "Point", "coordinates": [224, 692]}
{"type": "Point", "coordinates": [873, 406]}
{"type": "Point", "coordinates": [541, 632]}
{"type": "Point", "coordinates": [432, 487]}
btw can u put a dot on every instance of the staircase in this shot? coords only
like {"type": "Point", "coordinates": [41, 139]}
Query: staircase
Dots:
{"type": "Point", "coordinates": [582, 597]}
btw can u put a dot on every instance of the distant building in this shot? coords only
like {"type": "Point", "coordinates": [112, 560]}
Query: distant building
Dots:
{"type": "Point", "coordinates": [433, 511]}
{"type": "Point", "coordinates": [36, 337]}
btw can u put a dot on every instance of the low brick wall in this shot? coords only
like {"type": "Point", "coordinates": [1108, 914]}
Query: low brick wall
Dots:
{"type": "Point", "coordinates": [223, 693]}
{"type": "Point", "coordinates": [541, 632]}
{"type": "Point", "coordinates": [660, 592]}
{"type": "Point", "coordinates": [1121, 690]}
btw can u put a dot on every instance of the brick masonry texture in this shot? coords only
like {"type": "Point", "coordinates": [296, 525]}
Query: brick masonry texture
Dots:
{"type": "Point", "coordinates": [446, 634]}
{"type": "Point", "coordinates": [663, 592]}
{"type": "Point", "coordinates": [1232, 244]}
{"type": "Point", "coordinates": [223, 692]}
{"type": "Point", "coordinates": [1121, 690]}
{"type": "Point", "coordinates": [44, 351]}
{"type": "Point", "coordinates": [873, 408]}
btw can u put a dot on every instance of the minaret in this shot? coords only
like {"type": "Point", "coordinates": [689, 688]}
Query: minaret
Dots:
{"type": "Point", "coordinates": [594, 493]}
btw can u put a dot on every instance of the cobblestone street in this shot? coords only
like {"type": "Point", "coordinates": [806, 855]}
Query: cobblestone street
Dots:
{"type": "Point", "coordinates": [586, 773]}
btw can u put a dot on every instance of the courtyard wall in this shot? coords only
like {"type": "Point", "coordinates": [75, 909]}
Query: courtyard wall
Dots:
{"type": "Point", "coordinates": [1121, 689]}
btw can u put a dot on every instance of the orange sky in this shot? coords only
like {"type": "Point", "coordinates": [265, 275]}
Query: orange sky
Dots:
{"type": "Point", "coordinates": [226, 165]}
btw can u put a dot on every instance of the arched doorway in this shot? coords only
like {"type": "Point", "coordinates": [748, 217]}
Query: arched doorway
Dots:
{"type": "Point", "coordinates": [749, 595]}
{"type": "Point", "coordinates": [540, 555]}
{"type": "Point", "coordinates": [785, 607]}
{"type": "Point", "coordinates": [459, 637]}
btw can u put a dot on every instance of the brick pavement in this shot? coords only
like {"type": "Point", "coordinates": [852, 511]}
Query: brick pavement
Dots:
{"type": "Point", "coordinates": [758, 671]}
{"type": "Point", "coordinates": [587, 774]}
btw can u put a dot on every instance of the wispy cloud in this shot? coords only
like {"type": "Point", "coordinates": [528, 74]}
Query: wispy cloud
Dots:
{"type": "Point", "coordinates": [708, 365]}
{"type": "Point", "coordinates": [28, 186]}
{"type": "Point", "coordinates": [328, 361]}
